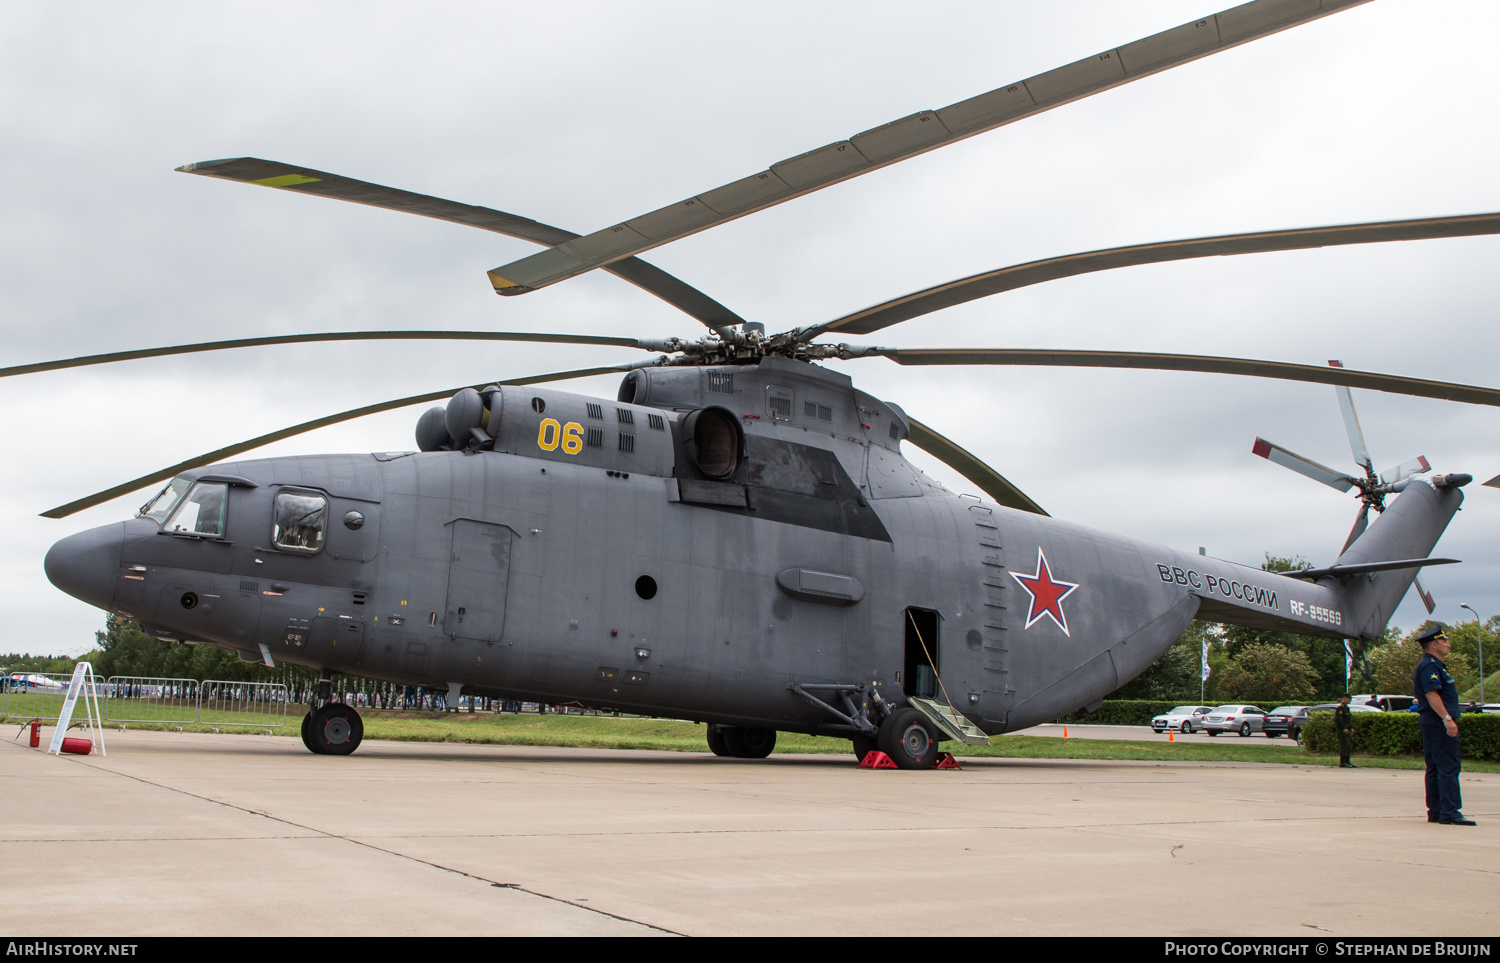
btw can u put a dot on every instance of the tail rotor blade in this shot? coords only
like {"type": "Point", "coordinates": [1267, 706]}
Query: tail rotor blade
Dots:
{"type": "Point", "coordinates": [1351, 424]}
{"type": "Point", "coordinates": [1425, 596]}
{"type": "Point", "coordinates": [1361, 521]}
{"type": "Point", "coordinates": [1303, 466]}
{"type": "Point", "coordinates": [1406, 469]}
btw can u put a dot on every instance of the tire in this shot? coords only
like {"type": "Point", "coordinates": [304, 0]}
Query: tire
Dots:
{"type": "Point", "coordinates": [864, 745]}
{"type": "Point", "coordinates": [909, 739]}
{"type": "Point", "coordinates": [716, 743]}
{"type": "Point", "coordinates": [306, 730]}
{"type": "Point", "coordinates": [335, 730]}
{"type": "Point", "coordinates": [1244, 729]}
{"type": "Point", "coordinates": [747, 743]}
{"type": "Point", "coordinates": [1296, 735]}
{"type": "Point", "coordinates": [1186, 728]}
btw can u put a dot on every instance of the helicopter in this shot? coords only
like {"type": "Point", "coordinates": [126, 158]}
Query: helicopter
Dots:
{"type": "Point", "coordinates": [736, 538]}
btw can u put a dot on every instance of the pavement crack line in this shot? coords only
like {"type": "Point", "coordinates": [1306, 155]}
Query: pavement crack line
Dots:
{"type": "Point", "coordinates": [389, 852]}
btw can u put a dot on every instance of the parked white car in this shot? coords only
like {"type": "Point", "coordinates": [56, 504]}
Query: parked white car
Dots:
{"type": "Point", "coordinates": [1184, 719]}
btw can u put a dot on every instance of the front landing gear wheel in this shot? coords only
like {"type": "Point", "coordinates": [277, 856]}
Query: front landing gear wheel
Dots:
{"type": "Point", "coordinates": [745, 743]}
{"type": "Point", "coordinates": [716, 743]}
{"type": "Point", "coordinates": [334, 730]}
{"type": "Point", "coordinates": [306, 729]}
{"type": "Point", "coordinates": [864, 745]}
{"type": "Point", "coordinates": [909, 739]}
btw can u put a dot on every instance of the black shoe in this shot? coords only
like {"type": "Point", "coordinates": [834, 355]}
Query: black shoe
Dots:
{"type": "Point", "coordinates": [1431, 818]}
{"type": "Point", "coordinates": [1458, 820]}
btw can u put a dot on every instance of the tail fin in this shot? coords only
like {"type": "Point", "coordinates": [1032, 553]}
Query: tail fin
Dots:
{"type": "Point", "coordinates": [1409, 528]}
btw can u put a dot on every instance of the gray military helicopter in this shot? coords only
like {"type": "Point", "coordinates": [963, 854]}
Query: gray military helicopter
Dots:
{"type": "Point", "coordinates": [736, 538]}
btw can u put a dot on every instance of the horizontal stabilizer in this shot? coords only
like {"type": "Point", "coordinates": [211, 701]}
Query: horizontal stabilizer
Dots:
{"type": "Point", "coordinates": [1362, 568]}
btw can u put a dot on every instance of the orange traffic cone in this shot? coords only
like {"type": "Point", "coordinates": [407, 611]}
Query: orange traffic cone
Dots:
{"type": "Point", "coordinates": [1065, 732]}
{"type": "Point", "coordinates": [1171, 735]}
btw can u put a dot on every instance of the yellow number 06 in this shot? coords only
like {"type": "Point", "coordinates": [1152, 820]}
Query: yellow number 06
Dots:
{"type": "Point", "coordinates": [550, 433]}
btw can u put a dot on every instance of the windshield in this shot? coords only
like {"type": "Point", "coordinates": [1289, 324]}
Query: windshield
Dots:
{"type": "Point", "coordinates": [161, 506]}
{"type": "Point", "coordinates": [1183, 711]}
{"type": "Point", "coordinates": [203, 511]}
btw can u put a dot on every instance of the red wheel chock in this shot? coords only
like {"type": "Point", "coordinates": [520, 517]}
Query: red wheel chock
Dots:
{"type": "Point", "coordinates": [946, 761]}
{"type": "Point", "coordinates": [875, 759]}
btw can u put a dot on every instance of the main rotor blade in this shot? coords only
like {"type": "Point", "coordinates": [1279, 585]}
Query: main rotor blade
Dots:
{"type": "Point", "coordinates": [229, 451]}
{"type": "Point", "coordinates": [1395, 384]}
{"type": "Point", "coordinates": [991, 482]}
{"type": "Point", "coordinates": [92, 359]}
{"type": "Point", "coordinates": [305, 180]}
{"type": "Point", "coordinates": [1015, 276]}
{"type": "Point", "coordinates": [1302, 466]}
{"type": "Point", "coordinates": [912, 135]}
{"type": "Point", "coordinates": [1351, 425]}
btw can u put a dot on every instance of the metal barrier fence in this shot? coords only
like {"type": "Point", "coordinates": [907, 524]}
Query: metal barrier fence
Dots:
{"type": "Point", "coordinates": [142, 699]}
{"type": "Point", "coordinates": [139, 699]}
{"type": "Point", "coordinates": [259, 704]}
{"type": "Point", "coordinates": [34, 695]}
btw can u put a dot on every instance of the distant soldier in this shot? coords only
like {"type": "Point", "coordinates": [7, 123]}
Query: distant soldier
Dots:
{"type": "Point", "coordinates": [1438, 696]}
{"type": "Point", "coordinates": [1343, 723]}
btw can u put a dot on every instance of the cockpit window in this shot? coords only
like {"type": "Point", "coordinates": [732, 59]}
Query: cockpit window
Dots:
{"type": "Point", "coordinates": [161, 506]}
{"type": "Point", "coordinates": [202, 512]}
{"type": "Point", "coordinates": [299, 521]}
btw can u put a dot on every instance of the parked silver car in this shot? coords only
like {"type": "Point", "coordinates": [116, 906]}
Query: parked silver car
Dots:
{"type": "Point", "coordinates": [1234, 718]}
{"type": "Point", "coordinates": [1184, 719]}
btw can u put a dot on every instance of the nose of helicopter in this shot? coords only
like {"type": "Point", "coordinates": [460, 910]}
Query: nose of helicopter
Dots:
{"type": "Point", "coordinates": [87, 565]}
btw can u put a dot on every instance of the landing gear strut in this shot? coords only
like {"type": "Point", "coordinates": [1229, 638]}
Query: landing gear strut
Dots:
{"type": "Point", "coordinates": [329, 728]}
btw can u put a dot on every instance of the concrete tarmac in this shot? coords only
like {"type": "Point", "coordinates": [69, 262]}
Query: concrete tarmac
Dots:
{"type": "Point", "coordinates": [251, 835]}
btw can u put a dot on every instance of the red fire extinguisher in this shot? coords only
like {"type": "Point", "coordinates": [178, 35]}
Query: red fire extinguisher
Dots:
{"type": "Point", "coordinates": [36, 733]}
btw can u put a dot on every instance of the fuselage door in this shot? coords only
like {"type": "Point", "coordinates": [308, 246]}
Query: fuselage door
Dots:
{"type": "Point", "coordinates": [478, 579]}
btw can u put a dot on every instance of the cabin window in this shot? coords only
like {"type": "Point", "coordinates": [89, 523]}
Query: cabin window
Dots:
{"type": "Point", "coordinates": [299, 521]}
{"type": "Point", "coordinates": [202, 512]}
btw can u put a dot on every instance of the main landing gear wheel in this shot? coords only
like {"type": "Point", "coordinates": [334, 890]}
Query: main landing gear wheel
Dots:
{"type": "Point", "coordinates": [333, 730]}
{"type": "Point", "coordinates": [909, 739]}
{"type": "Point", "coordinates": [864, 745]}
{"type": "Point", "coordinates": [306, 723]}
{"type": "Point", "coordinates": [716, 743]}
{"type": "Point", "coordinates": [746, 743]}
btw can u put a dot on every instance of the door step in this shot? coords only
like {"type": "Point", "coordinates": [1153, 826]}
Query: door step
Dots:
{"type": "Point", "coordinates": [953, 723]}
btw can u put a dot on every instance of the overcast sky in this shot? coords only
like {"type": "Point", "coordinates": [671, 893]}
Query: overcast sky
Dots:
{"type": "Point", "coordinates": [582, 115]}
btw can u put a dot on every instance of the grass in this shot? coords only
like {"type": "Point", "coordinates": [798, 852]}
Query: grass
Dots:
{"type": "Point", "coordinates": [627, 732]}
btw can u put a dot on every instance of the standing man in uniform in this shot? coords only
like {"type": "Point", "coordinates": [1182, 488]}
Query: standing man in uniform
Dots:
{"type": "Point", "coordinates": [1437, 695]}
{"type": "Point", "coordinates": [1343, 722]}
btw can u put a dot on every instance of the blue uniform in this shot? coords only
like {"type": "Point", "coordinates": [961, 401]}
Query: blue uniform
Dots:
{"type": "Point", "coordinates": [1438, 748]}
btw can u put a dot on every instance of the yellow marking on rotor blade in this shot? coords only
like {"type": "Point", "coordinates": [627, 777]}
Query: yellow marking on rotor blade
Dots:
{"type": "Point", "coordinates": [500, 282]}
{"type": "Point", "coordinates": [286, 180]}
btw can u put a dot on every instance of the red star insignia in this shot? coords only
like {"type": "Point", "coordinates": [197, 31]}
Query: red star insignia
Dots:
{"type": "Point", "coordinates": [1046, 594]}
